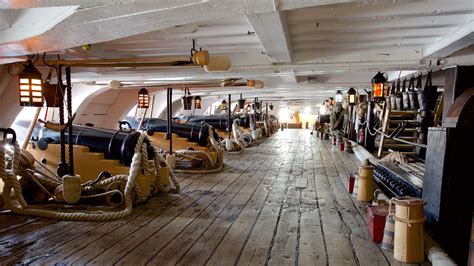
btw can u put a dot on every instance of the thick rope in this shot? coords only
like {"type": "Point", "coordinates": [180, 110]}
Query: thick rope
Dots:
{"type": "Point", "coordinates": [11, 182]}
{"type": "Point", "coordinates": [217, 165]}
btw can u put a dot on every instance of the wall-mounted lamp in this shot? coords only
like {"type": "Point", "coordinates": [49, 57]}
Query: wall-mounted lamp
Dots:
{"type": "Point", "coordinates": [31, 86]}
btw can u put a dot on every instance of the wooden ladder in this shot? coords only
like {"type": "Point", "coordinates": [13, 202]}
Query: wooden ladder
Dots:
{"type": "Point", "coordinates": [390, 122]}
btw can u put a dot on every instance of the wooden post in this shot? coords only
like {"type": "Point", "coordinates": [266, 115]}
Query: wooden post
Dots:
{"type": "Point", "coordinates": [369, 139]}
{"type": "Point", "coordinates": [169, 128]}
{"type": "Point", "coordinates": [229, 123]}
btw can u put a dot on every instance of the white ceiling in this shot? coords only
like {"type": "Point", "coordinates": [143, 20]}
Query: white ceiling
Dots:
{"type": "Point", "coordinates": [303, 50]}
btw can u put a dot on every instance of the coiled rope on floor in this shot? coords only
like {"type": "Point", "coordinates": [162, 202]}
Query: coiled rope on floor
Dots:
{"type": "Point", "coordinates": [9, 177]}
{"type": "Point", "coordinates": [216, 146]}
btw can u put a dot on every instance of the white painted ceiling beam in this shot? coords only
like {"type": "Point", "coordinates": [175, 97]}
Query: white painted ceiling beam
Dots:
{"type": "Point", "coordinates": [355, 55]}
{"type": "Point", "coordinates": [201, 32]}
{"type": "Point", "coordinates": [420, 23]}
{"type": "Point", "coordinates": [459, 39]}
{"type": "Point", "coordinates": [247, 71]}
{"type": "Point", "coordinates": [372, 35]}
{"type": "Point", "coordinates": [34, 22]}
{"type": "Point", "coordinates": [176, 51]}
{"type": "Point", "coordinates": [271, 30]}
{"type": "Point", "coordinates": [361, 44]}
{"type": "Point", "coordinates": [93, 25]}
{"type": "Point", "coordinates": [295, 4]}
{"type": "Point", "coordinates": [7, 18]}
{"type": "Point", "coordinates": [22, 4]}
{"type": "Point", "coordinates": [379, 11]}
{"type": "Point", "coordinates": [289, 79]}
{"type": "Point", "coordinates": [167, 43]}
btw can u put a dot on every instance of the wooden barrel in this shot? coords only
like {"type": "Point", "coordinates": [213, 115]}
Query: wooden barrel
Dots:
{"type": "Point", "coordinates": [365, 183]}
{"type": "Point", "coordinates": [409, 238]}
{"type": "Point", "coordinates": [356, 185]}
{"type": "Point", "coordinates": [388, 233]}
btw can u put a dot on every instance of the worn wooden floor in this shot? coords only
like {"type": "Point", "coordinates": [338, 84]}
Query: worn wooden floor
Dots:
{"type": "Point", "coordinates": [281, 203]}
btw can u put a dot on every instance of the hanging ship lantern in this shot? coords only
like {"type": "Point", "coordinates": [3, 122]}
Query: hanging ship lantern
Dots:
{"type": "Point", "coordinates": [351, 94]}
{"type": "Point", "coordinates": [378, 82]}
{"type": "Point", "coordinates": [31, 86]}
{"type": "Point", "coordinates": [197, 102]}
{"type": "Point", "coordinates": [143, 98]}
{"type": "Point", "coordinates": [241, 102]}
{"type": "Point", "coordinates": [339, 97]}
{"type": "Point", "coordinates": [187, 99]}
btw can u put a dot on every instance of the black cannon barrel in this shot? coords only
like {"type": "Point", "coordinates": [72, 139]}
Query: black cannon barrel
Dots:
{"type": "Point", "coordinates": [116, 145]}
{"type": "Point", "coordinates": [220, 121]}
{"type": "Point", "coordinates": [194, 132]}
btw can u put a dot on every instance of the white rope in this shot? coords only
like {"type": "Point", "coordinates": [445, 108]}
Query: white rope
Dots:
{"type": "Point", "coordinates": [237, 137]}
{"type": "Point", "coordinates": [138, 160]}
{"type": "Point", "coordinates": [217, 164]}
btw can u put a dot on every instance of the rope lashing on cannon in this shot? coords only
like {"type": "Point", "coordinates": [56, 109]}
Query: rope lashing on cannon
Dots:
{"type": "Point", "coordinates": [10, 168]}
{"type": "Point", "coordinates": [216, 166]}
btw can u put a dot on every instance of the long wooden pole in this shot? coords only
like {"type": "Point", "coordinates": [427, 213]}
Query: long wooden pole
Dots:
{"type": "Point", "coordinates": [229, 122]}
{"type": "Point", "coordinates": [163, 59]}
{"type": "Point", "coordinates": [169, 130]}
{"type": "Point", "coordinates": [31, 128]}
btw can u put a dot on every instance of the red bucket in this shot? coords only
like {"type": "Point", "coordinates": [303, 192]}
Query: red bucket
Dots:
{"type": "Point", "coordinates": [341, 146]}
{"type": "Point", "coordinates": [351, 179]}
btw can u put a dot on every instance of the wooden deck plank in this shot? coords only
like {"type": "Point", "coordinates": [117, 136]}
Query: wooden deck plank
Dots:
{"type": "Point", "coordinates": [37, 249]}
{"type": "Point", "coordinates": [175, 251]}
{"type": "Point", "coordinates": [207, 243]}
{"type": "Point", "coordinates": [101, 237]}
{"type": "Point", "coordinates": [282, 202]}
{"type": "Point", "coordinates": [312, 250]}
{"type": "Point", "coordinates": [338, 245]}
{"type": "Point", "coordinates": [230, 247]}
{"type": "Point", "coordinates": [62, 237]}
{"type": "Point", "coordinates": [191, 229]}
{"type": "Point", "coordinates": [200, 198]}
{"type": "Point", "coordinates": [367, 252]}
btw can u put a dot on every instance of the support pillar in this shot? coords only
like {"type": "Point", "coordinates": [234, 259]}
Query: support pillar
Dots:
{"type": "Point", "coordinates": [369, 142]}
